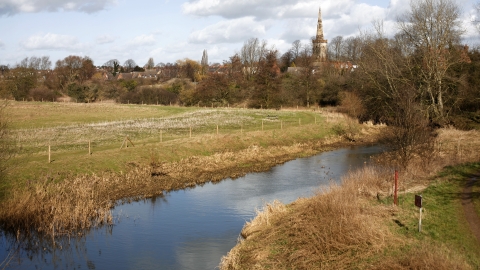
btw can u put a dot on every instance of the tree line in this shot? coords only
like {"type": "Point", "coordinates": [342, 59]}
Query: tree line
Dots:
{"type": "Point", "coordinates": [422, 68]}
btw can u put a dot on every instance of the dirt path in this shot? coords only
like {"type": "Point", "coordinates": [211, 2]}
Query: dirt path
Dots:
{"type": "Point", "coordinates": [469, 209]}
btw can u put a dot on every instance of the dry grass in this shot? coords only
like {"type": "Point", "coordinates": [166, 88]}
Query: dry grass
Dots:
{"type": "Point", "coordinates": [451, 147]}
{"type": "Point", "coordinates": [344, 227]}
{"type": "Point", "coordinates": [329, 231]}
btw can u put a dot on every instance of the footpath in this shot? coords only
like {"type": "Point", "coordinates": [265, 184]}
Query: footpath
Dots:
{"type": "Point", "coordinates": [468, 207]}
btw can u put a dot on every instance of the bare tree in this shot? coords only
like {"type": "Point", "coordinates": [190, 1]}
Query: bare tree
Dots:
{"type": "Point", "coordinates": [351, 48]}
{"type": "Point", "coordinates": [432, 29]}
{"type": "Point", "coordinates": [477, 21]}
{"type": "Point", "coordinates": [110, 63]}
{"type": "Point", "coordinates": [37, 63]}
{"type": "Point", "coordinates": [129, 65]}
{"type": "Point", "coordinates": [45, 63]}
{"type": "Point", "coordinates": [335, 48]}
{"type": "Point", "coordinates": [204, 62]}
{"type": "Point", "coordinates": [252, 52]}
{"type": "Point", "coordinates": [150, 63]}
{"type": "Point", "coordinates": [296, 49]}
{"type": "Point", "coordinates": [74, 69]}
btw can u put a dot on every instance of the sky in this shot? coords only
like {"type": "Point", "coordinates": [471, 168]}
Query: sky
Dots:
{"type": "Point", "coordinates": [170, 30]}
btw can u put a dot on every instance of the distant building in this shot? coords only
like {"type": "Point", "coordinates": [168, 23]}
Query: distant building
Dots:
{"type": "Point", "coordinates": [319, 43]}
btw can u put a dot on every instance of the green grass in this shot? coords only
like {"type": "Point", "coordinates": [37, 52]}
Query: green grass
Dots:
{"type": "Point", "coordinates": [68, 127]}
{"type": "Point", "coordinates": [443, 220]}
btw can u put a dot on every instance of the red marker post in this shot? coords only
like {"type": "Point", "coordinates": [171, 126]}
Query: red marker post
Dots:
{"type": "Point", "coordinates": [395, 192]}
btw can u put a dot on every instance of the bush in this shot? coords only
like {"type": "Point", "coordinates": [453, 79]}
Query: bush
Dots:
{"type": "Point", "coordinates": [42, 93]}
{"type": "Point", "coordinates": [147, 95]}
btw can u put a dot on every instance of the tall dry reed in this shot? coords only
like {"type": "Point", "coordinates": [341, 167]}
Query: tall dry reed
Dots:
{"type": "Point", "coordinates": [341, 227]}
{"type": "Point", "coordinates": [322, 232]}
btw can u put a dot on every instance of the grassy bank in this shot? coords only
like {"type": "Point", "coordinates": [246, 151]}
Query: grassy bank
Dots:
{"type": "Point", "coordinates": [174, 148]}
{"type": "Point", "coordinates": [355, 225]}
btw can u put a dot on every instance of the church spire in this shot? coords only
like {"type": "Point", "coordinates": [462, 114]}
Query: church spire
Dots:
{"type": "Point", "coordinates": [320, 25]}
{"type": "Point", "coordinates": [320, 43]}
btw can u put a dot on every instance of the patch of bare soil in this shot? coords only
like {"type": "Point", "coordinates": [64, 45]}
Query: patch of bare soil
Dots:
{"type": "Point", "coordinates": [469, 209]}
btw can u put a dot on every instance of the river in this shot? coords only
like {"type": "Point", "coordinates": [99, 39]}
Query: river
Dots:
{"type": "Point", "coordinates": [186, 229]}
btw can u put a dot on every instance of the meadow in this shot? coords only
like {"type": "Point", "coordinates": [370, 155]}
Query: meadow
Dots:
{"type": "Point", "coordinates": [76, 161]}
{"type": "Point", "coordinates": [86, 138]}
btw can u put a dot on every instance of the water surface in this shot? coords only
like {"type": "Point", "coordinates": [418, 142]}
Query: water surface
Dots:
{"type": "Point", "coordinates": [187, 229]}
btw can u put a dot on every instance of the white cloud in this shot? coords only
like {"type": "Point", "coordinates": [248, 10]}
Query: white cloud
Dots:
{"type": "Point", "coordinates": [235, 8]}
{"type": "Point", "coordinates": [11, 7]}
{"type": "Point", "coordinates": [104, 39]}
{"type": "Point", "coordinates": [142, 40]}
{"type": "Point", "coordinates": [265, 9]}
{"type": "Point", "coordinates": [52, 42]}
{"type": "Point", "coordinates": [230, 31]}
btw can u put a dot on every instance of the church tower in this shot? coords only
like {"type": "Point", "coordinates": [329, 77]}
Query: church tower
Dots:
{"type": "Point", "coordinates": [320, 43]}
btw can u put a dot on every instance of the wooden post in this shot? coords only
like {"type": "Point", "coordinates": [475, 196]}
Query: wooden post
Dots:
{"type": "Point", "coordinates": [190, 132]}
{"type": "Point", "coordinates": [241, 129]}
{"type": "Point", "coordinates": [395, 192]}
{"type": "Point", "coordinates": [420, 221]}
{"type": "Point", "coordinates": [49, 154]}
{"type": "Point", "coordinates": [89, 148]}
{"type": "Point", "coordinates": [217, 129]}
{"type": "Point", "coordinates": [262, 124]}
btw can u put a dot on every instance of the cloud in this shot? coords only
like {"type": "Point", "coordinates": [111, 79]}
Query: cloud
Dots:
{"type": "Point", "coordinates": [2, 45]}
{"type": "Point", "coordinates": [235, 9]}
{"type": "Point", "coordinates": [142, 40]}
{"type": "Point", "coordinates": [11, 7]}
{"type": "Point", "coordinates": [263, 9]}
{"type": "Point", "coordinates": [104, 39]}
{"type": "Point", "coordinates": [52, 42]}
{"type": "Point", "coordinates": [230, 31]}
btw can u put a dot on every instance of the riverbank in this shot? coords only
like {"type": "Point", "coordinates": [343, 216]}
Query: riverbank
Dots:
{"type": "Point", "coordinates": [60, 203]}
{"type": "Point", "coordinates": [356, 226]}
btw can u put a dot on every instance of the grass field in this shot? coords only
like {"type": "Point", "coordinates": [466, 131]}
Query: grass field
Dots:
{"type": "Point", "coordinates": [160, 132]}
{"type": "Point", "coordinates": [170, 148]}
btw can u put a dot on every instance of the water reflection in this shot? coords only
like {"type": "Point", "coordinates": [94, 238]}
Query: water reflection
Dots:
{"type": "Point", "coordinates": [187, 229]}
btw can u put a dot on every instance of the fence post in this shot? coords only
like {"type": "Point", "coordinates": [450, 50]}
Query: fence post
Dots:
{"type": "Point", "coordinates": [262, 124]}
{"type": "Point", "coordinates": [89, 148]}
{"type": "Point", "coordinates": [190, 132]}
{"type": "Point", "coordinates": [49, 154]}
